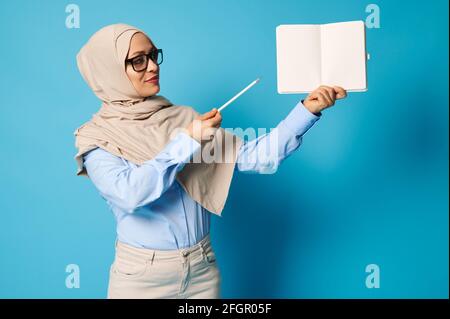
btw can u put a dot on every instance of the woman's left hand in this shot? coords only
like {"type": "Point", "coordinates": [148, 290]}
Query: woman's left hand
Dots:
{"type": "Point", "coordinates": [323, 97]}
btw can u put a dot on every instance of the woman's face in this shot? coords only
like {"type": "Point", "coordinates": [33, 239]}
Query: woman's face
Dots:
{"type": "Point", "coordinates": [139, 45]}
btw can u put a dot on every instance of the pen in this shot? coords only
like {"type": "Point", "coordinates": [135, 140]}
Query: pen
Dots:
{"type": "Point", "coordinates": [239, 94]}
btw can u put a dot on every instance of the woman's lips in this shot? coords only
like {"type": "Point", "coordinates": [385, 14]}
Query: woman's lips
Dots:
{"type": "Point", "coordinates": [153, 81]}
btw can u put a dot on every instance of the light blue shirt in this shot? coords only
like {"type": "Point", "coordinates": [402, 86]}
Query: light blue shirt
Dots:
{"type": "Point", "coordinates": [151, 208]}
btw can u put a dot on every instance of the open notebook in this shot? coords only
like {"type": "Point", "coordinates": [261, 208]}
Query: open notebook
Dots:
{"type": "Point", "coordinates": [310, 55]}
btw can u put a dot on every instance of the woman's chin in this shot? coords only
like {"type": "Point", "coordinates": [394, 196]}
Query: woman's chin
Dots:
{"type": "Point", "coordinates": [152, 91]}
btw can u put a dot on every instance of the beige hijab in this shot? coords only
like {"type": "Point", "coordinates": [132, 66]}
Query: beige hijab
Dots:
{"type": "Point", "coordinates": [137, 129]}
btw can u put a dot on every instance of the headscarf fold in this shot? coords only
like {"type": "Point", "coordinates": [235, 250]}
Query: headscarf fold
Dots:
{"type": "Point", "coordinates": [138, 128]}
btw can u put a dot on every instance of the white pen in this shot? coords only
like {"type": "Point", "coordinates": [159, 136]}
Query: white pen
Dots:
{"type": "Point", "coordinates": [239, 94]}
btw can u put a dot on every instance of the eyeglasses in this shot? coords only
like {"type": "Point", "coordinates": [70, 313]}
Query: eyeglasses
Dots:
{"type": "Point", "coordinates": [140, 62]}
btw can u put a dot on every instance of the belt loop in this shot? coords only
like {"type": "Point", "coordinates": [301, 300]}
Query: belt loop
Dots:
{"type": "Point", "coordinates": [153, 257]}
{"type": "Point", "coordinates": [183, 255]}
{"type": "Point", "coordinates": [202, 243]}
{"type": "Point", "coordinates": [202, 250]}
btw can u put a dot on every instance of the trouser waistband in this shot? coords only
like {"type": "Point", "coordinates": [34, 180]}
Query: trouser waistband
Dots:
{"type": "Point", "coordinates": [145, 254]}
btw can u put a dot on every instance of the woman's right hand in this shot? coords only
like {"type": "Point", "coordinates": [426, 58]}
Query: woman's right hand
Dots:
{"type": "Point", "coordinates": [203, 127]}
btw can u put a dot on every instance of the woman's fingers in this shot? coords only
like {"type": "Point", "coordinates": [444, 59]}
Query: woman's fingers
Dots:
{"type": "Point", "coordinates": [313, 99]}
{"type": "Point", "coordinates": [331, 92]}
{"type": "Point", "coordinates": [326, 96]}
{"type": "Point", "coordinates": [209, 122]}
{"type": "Point", "coordinates": [214, 121]}
{"type": "Point", "coordinates": [321, 98]}
{"type": "Point", "coordinates": [208, 115]}
{"type": "Point", "coordinates": [340, 92]}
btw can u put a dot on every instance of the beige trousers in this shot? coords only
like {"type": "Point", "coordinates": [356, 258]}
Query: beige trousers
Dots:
{"type": "Point", "coordinates": [164, 274]}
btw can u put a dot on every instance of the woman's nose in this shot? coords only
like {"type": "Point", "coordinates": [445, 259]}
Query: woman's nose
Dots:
{"type": "Point", "coordinates": [151, 66]}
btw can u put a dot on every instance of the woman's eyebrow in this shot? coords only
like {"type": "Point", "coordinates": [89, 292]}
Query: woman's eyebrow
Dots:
{"type": "Point", "coordinates": [140, 52]}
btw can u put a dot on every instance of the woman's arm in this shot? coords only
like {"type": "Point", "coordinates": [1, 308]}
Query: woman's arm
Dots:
{"type": "Point", "coordinates": [132, 187]}
{"type": "Point", "coordinates": [263, 154]}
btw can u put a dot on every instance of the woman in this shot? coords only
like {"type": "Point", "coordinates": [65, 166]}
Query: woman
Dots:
{"type": "Point", "coordinates": [140, 161]}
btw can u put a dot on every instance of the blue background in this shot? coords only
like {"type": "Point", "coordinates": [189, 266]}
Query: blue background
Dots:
{"type": "Point", "coordinates": [368, 185]}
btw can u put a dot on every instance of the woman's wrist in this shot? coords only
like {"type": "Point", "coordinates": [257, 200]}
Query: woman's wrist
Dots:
{"type": "Point", "coordinates": [311, 110]}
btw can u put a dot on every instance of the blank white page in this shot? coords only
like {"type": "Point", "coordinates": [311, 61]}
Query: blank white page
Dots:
{"type": "Point", "coordinates": [344, 55]}
{"type": "Point", "coordinates": [298, 58]}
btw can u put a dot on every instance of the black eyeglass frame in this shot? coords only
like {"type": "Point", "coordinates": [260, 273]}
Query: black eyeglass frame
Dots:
{"type": "Point", "coordinates": [149, 57]}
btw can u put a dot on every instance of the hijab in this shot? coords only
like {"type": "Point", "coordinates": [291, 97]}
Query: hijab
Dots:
{"type": "Point", "coordinates": [137, 128]}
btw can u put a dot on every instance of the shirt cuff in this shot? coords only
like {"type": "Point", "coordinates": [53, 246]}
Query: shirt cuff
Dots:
{"type": "Point", "coordinates": [299, 120]}
{"type": "Point", "coordinates": [182, 147]}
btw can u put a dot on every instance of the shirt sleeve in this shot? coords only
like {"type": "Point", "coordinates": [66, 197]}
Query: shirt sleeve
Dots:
{"type": "Point", "coordinates": [130, 187]}
{"type": "Point", "coordinates": [264, 154]}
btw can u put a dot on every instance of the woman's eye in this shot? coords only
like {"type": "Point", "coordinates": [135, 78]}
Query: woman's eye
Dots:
{"type": "Point", "coordinates": [138, 61]}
